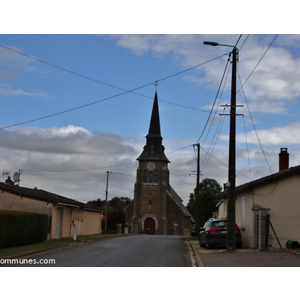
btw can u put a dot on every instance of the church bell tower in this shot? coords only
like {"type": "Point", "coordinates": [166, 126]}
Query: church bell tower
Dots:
{"type": "Point", "coordinates": [152, 183]}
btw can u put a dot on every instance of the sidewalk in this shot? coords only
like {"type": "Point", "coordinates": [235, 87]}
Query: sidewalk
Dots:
{"type": "Point", "coordinates": [244, 257]}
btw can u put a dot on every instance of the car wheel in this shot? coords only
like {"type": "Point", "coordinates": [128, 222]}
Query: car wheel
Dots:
{"type": "Point", "coordinates": [201, 243]}
{"type": "Point", "coordinates": [208, 246]}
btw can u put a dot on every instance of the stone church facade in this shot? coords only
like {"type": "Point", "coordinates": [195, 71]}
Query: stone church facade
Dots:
{"type": "Point", "coordinates": [156, 207]}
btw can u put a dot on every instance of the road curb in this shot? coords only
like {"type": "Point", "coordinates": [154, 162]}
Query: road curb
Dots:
{"type": "Point", "coordinates": [197, 257]}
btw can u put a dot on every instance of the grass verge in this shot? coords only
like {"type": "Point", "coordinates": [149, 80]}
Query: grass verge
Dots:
{"type": "Point", "coordinates": [6, 252]}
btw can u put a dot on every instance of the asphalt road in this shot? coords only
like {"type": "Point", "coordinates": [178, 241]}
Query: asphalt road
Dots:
{"type": "Point", "coordinates": [127, 251]}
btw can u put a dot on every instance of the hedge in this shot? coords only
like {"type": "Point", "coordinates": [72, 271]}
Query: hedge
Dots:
{"type": "Point", "coordinates": [21, 228]}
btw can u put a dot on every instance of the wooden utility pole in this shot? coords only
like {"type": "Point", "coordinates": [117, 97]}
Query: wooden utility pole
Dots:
{"type": "Point", "coordinates": [230, 245]}
{"type": "Point", "coordinates": [106, 197]}
{"type": "Point", "coordinates": [198, 167]}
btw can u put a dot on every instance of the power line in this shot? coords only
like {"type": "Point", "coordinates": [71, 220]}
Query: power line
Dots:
{"type": "Point", "coordinates": [225, 164]}
{"type": "Point", "coordinates": [81, 170]}
{"type": "Point", "coordinates": [104, 99]}
{"type": "Point", "coordinates": [215, 137]}
{"type": "Point", "coordinates": [247, 148]}
{"type": "Point", "coordinates": [242, 85]}
{"type": "Point", "coordinates": [261, 147]}
{"type": "Point", "coordinates": [212, 108]}
{"type": "Point", "coordinates": [96, 80]}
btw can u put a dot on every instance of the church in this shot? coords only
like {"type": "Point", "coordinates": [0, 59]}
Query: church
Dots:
{"type": "Point", "coordinates": [156, 207]}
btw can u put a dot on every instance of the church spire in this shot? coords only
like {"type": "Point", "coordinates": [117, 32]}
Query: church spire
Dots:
{"type": "Point", "coordinates": [154, 128]}
{"type": "Point", "coordinates": [154, 150]}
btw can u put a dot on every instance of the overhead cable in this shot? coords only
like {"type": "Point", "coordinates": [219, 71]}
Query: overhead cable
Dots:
{"type": "Point", "coordinates": [258, 139]}
{"type": "Point", "coordinates": [212, 108]}
{"type": "Point", "coordinates": [242, 85]}
{"type": "Point", "coordinates": [104, 99]}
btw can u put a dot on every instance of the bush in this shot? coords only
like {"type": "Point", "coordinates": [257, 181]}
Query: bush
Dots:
{"type": "Point", "coordinates": [20, 228]}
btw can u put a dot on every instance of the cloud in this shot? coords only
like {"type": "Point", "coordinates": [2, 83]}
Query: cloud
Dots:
{"type": "Point", "coordinates": [71, 140]}
{"type": "Point", "coordinates": [12, 63]}
{"type": "Point", "coordinates": [286, 135]}
{"type": "Point", "coordinates": [70, 161]}
{"type": "Point", "coordinates": [274, 81]}
{"type": "Point", "coordinates": [20, 92]}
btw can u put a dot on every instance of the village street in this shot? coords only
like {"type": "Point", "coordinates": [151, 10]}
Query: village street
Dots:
{"type": "Point", "coordinates": [128, 251]}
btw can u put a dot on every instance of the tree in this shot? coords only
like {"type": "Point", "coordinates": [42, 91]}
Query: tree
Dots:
{"type": "Point", "coordinates": [203, 201]}
{"type": "Point", "coordinates": [115, 211]}
{"type": "Point", "coordinates": [97, 203]}
{"type": "Point", "coordinates": [209, 185]}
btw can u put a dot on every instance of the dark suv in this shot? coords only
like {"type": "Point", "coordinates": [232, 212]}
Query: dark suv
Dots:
{"type": "Point", "coordinates": [214, 233]}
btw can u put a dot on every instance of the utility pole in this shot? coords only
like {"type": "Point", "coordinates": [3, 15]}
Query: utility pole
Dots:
{"type": "Point", "coordinates": [106, 197]}
{"type": "Point", "coordinates": [198, 167]}
{"type": "Point", "coordinates": [230, 243]}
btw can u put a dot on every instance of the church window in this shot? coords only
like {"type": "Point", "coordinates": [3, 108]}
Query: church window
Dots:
{"type": "Point", "coordinates": [145, 176]}
{"type": "Point", "coordinates": [150, 177]}
{"type": "Point", "coordinates": [155, 176]}
{"type": "Point", "coordinates": [152, 148]}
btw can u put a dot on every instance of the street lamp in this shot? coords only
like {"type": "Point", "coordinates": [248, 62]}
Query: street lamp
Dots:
{"type": "Point", "coordinates": [230, 244]}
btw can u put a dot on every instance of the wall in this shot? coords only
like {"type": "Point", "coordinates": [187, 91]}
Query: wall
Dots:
{"type": "Point", "coordinates": [91, 223]}
{"type": "Point", "coordinates": [282, 198]}
{"type": "Point", "coordinates": [13, 202]}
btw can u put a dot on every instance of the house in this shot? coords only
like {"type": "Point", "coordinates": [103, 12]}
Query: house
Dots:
{"type": "Point", "coordinates": [274, 200]}
{"type": "Point", "coordinates": [156, 207]}
{"type": "Point", "coordinates": [67, 217]}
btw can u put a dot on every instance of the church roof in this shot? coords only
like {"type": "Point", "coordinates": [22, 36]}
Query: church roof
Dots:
{"type": "Point", "coordinates": [154, 128]}
{"type": "Point", "coordinates": [154, 150]}
{"type": "Point", "coordinates": [179, 203]}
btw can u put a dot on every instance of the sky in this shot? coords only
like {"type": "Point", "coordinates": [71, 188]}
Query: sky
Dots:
{"type": "Point", "coordinates": [76, 106]}
{"type": "Point", "coordinates": [68, 114]}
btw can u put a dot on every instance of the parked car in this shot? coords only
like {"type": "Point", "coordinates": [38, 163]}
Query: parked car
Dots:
{"type": "Point", "coordinates": [194, 230]}
{"type": "Point", "coordinates": [214, 233]}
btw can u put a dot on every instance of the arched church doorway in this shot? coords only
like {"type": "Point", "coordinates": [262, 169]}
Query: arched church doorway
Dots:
{"type": "Point", "coordinates": [149, 226]}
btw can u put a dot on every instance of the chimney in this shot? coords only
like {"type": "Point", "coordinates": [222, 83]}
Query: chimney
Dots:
{"type": "Point", "coordinates": [283, 159]}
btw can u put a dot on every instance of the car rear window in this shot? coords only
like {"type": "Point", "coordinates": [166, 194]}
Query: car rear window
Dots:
{"type": "Point", "coordinates": [219, 224]}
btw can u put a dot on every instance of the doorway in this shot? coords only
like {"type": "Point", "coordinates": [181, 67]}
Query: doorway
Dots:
{"type": "Point", "coordinates": [149, 226]}
{"type": "Point", "coordinates": [59, 217]}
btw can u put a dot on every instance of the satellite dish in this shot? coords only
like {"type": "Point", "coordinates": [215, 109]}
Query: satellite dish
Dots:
{"type": "Point", "coordinates": [16, 177]}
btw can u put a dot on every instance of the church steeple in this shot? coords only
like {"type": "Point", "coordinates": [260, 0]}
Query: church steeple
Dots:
{"type": "Point", "coordinates": [154, 150]}
{"type": "Point", "coordinates": [154, 128]}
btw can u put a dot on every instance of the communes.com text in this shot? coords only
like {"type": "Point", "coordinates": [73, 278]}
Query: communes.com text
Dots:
{"type": "Point", "coordinates": [26, 261]}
